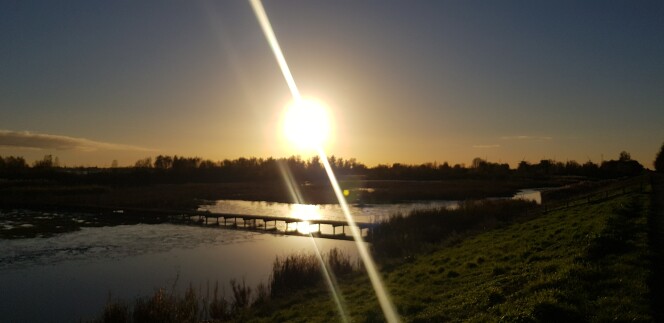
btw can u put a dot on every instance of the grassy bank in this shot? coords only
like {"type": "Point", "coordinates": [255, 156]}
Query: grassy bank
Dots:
{"type": "Point", "coordinates": [587, 263]}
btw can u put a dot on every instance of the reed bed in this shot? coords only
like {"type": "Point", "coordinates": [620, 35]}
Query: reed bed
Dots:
{"type": "Point", "coordinates": [289, 274]}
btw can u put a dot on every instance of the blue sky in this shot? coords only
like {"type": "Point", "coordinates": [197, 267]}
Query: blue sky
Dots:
{"type": "Point", "coordinates": [406, 81]}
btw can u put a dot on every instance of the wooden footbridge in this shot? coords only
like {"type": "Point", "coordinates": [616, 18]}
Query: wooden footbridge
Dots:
{"type": "Point", "coordinates": [320, 228]}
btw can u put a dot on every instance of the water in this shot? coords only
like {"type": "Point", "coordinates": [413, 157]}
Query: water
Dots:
{"type": "Point", "coordinates": [530, 194]}
{"type": "Point", "coordinates": [68, 277]}
{"type": "Point", "coordinates": [368, 213]}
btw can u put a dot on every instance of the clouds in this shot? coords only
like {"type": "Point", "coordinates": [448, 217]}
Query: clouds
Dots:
{"type": "Point", "coordinates": [31, 140]}
{"type": "Point", "coordinates": [532, 138]}
{"type": "Point", "coordinates": [486, 146]}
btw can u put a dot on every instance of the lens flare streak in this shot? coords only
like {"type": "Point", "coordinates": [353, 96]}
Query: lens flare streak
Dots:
{"type": "Point", "coordinates": [330, 279]}
{"type": "Point", "coordinates": [272, 40]}
{"type": "Point", "coordinates": [382, 295]}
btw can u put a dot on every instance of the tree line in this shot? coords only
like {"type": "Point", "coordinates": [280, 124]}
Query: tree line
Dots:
{"type": "Point", "coordinates": [177, 169]}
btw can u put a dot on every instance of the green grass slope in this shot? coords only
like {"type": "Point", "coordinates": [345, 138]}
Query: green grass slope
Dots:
{"type": "Point", "coordinates": [586, 263]}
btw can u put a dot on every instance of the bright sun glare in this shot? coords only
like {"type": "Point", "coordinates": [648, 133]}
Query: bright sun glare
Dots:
{"type": "Point", "coordinates": [307, 124]}
{"type": "Point", "coordinates": [305, 212]}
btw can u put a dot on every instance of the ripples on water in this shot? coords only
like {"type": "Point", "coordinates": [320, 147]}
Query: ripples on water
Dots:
{"type": "Point", "coordinates": [109, 243]}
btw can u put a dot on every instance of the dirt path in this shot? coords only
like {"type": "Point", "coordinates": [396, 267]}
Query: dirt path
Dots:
{"type": "Point", "coordinates": [656, 223]}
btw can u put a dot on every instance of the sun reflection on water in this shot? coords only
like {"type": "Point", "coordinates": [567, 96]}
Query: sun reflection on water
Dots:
{"type": "Point", "coordinates": [306, 213]}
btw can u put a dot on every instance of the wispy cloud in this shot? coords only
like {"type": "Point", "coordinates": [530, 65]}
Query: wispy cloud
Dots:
{"type": "Point", "coordinates": [486, 146]}
{"type": "Point", "coordinates": [526, 138]}
{"type": "Point", "coordinates": [32, 140]}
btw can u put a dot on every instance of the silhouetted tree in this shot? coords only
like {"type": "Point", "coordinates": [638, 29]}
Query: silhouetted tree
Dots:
{"type": "Point", "coordinates": [163, 162]}
{"type": "Point", "coordinates": [207, 164]}
{"type": "Point", "coordinates": [590, 169]}
{"type": "Point", "coordinates": [144, 163]}
{"type": "Point", "coordinates": [14, 163]}
{"type": "Point", "coordinates": [624, 166]}
{"type": "Point", "coordinates": [624, 156]}
{"type": "Point", "coordinates": [46, 162]}
{"type": "Point", "coordinates": [659, 160]}
{"type": "Point", "coordinates": [478, 162]}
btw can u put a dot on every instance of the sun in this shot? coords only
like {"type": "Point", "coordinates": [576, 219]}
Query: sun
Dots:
{"type": "Point", "coordinates": [307, 124]}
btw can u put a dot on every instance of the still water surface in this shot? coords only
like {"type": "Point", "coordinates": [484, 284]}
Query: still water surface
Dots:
{"type": "Point", "coordinates": [68, 277]}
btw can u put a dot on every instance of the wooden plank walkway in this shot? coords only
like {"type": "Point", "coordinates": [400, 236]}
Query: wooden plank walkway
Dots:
{"type": "Point", "coordinates": [339, 230]}
{"type": "Point", "coordinates": [335, 229]}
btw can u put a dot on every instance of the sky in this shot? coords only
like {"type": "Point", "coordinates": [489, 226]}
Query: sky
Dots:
{"type": "Point", "coordinates": [405, 81]}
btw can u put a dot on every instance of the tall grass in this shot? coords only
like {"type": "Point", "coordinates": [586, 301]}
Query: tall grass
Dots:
{"type": "Point", "coordinates": [402, 235]}
{"type": "Point", "coordinates": [289, 274]}
{"type": "Point", "coordinates": [299, 271]}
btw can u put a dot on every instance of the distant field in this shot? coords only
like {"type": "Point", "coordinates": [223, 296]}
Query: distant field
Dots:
{"type": "Point", "coordinates": [586, 263]}
{"type": "Point", "coordinates": [190, 196]}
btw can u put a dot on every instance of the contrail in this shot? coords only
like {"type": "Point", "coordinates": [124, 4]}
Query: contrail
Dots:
{"type": "Point", "coordinates": [383, 298]}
